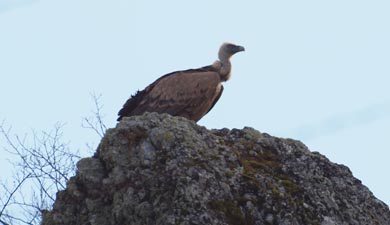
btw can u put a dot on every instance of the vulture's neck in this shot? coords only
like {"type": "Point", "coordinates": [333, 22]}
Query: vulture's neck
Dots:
{"type": "Point", "coordinates": [223, 66]}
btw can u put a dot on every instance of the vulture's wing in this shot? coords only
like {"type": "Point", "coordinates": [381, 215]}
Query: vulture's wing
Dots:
{"type": "Point", "coordinates": [189, 93]}
{"type": "Point", "coordinates": [216, 99]}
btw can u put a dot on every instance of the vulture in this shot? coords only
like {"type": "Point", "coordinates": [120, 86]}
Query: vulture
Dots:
{"type": "Point", "coordinates": [188, 93]}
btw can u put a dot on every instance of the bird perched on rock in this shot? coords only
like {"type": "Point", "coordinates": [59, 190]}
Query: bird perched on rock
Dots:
{"type": "Point", "coordinates": [188, 93]}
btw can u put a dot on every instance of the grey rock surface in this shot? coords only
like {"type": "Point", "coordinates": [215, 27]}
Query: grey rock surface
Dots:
{"type": "Point", "coordinates": [159, 169]}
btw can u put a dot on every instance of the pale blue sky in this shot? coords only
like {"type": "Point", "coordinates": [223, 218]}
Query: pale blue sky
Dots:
{"type": "Point", "coordinates": [317, 71]}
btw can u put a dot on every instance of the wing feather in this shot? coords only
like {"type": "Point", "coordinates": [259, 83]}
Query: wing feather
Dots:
{"type": "Point", "coordinates": [190, 93]}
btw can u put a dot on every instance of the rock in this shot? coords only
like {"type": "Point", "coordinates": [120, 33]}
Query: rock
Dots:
{"type": "Point", "coordinates": [159, 169]}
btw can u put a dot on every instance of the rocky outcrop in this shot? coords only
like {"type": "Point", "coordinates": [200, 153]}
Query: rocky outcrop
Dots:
{"type": "Point", "coordinates": [158, 169]}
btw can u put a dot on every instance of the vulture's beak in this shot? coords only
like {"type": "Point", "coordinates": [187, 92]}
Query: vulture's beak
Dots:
{"type": "Point", "coordinates": [240, 48]}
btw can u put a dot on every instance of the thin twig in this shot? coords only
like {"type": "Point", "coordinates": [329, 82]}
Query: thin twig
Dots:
{"type": "Point", "coordinates": [12, 193]}
{"type": "Point", "coordinates": [96, 122]}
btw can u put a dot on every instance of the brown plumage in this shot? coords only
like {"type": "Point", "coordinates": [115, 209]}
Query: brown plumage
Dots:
{"type": "Point", "coordinates": [189, 93]}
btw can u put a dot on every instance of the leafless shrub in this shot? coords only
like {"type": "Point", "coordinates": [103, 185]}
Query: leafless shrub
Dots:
{"type": "Point", "coordinates": [41, 169]}
{"type": "Point", "coordinates": [42, 163]}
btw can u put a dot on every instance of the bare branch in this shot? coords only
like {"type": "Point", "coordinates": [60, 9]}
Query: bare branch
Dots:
{"type": "Point", "coordinates": [4, 223]}
{"type": "Point", "coordinates": [43, 165]}
{"type": "Point", "coordinates": [11, 194]}
{"type": "Point", "coordinates": [41, 169]}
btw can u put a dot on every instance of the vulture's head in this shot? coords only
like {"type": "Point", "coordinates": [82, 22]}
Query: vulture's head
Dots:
{"type": "Point", "coordinates": [229, 49]}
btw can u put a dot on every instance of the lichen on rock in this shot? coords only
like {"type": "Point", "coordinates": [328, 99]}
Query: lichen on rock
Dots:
{"type": "Point", "coordinates": [159, 169]}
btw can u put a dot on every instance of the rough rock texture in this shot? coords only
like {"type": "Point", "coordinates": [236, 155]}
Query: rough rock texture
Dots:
{"type": "Point", "coordinates": [158, 169]}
